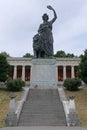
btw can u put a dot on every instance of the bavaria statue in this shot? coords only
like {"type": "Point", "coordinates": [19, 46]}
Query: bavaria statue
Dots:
{"type": "Point", "coordinates": [43, 40]}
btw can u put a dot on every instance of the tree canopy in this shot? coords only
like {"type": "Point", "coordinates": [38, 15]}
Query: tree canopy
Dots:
{"type": "Point", "coordinates": [27, 55]}
{"type": "Point", "coordinates": [5, 54]}
{"type": "Point", "coordinates": [83, 67]}
{"type": "Point", "coordinates": [62, 54]}
{"type": "Point", "coordinates": [4, 68]}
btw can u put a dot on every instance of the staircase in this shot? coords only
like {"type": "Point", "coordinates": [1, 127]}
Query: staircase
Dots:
{"type": "Point", "coordinates": [42, 108]}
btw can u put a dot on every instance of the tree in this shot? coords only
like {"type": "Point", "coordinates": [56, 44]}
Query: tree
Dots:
{"type": "Point", "coordinates": [83, 67]}
{"type": "Point", "coordinates": [68, 55]}
{"type": "Point", "coordinates": [60, 54]}
{"type": "Point", "coordinates": [81, 56]}
{"type": "Point", "coordinates": [4, 68]}
{"type": "Point", "coordinates": [5, 54]}
{"type": "Point", "coordinates": [27, 55]}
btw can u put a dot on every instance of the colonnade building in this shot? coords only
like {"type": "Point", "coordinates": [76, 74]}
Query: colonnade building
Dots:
{"type": "Point", "coordinates": [65, 68]}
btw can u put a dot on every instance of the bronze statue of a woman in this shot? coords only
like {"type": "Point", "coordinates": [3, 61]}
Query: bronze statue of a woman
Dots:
{"type": "Point", "coordinates": [43, 41]}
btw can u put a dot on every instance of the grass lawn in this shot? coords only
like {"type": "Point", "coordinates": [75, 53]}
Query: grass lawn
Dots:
{"type": "Point", "coordinates": [81, 105]}
{"type": "Point", "coordinates": [4, 104]}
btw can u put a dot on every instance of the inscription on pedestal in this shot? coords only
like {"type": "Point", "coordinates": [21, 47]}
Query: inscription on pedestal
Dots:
{"type": "Point", "coordinates": [43, 72]}
{"type": "Point", "coordinates": [44, 61]}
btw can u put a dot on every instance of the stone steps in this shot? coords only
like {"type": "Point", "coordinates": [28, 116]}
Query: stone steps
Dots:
{"type": "Point", "coordinates": [42, 108]}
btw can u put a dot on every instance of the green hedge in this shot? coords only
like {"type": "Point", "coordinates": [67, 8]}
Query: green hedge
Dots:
{"type": "Point", "coordinates": [72, 84]}
{"type": "Point", "coordinates": [15, 85]}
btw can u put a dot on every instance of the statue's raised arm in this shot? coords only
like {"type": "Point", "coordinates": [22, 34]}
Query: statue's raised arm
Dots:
{"type": "Point", "coordinates": [55, 15]}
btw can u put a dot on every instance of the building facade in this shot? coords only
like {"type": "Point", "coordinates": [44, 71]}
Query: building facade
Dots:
{"type": "Point", "coordinates": [65, 68]}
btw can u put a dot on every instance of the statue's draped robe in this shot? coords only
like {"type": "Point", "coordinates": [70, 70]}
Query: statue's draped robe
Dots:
{"type": "Point", "coordinates": [46, 38]}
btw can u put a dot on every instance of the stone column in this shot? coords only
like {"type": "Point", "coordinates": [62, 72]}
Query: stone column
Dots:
{"type": "Point", "coordinates": [23, 73]}
{"type": "Point", "coordinates": [31, 74]}
{"type": "Point", "coordinates": [15, 72]}
{"type": "Point", "coordinates": [72, 72]}
{"type": "Point", "coordinates": [57, 74]}
{"type": "Point", "coordinates": [64, 73]}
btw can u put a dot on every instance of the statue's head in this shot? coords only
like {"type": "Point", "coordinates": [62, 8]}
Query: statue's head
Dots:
{"type": "Point", "coordinates": [45, 17]}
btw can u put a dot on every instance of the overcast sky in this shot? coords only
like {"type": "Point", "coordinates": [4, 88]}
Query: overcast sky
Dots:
{"type": "Point", "coordinates": [20, 19]}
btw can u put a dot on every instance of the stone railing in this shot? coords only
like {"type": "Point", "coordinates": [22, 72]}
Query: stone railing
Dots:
{"type": "Point", "coordinates": [15, 108]}
{"type": "Point", "coordinates": [69, 108]}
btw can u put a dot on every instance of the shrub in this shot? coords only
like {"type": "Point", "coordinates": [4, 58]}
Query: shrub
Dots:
{"type": "Point", "coordinates": [21, 82]}
{"type": "Point", "coordinates": [15, 85]}
{"type": "Point", "coordinates": [72, 84]}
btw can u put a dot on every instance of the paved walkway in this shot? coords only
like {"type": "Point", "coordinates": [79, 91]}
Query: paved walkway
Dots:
{"type": "Point", "coordinates": [43, 128]}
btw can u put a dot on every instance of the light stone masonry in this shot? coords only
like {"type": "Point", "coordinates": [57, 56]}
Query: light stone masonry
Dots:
{"type": "Point", "coordinates": [43, 73]}
{"type": "Point", "coordinates": [45, 69]}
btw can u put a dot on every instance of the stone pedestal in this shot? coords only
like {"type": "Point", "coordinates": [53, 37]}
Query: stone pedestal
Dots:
{"type": "Point", "coordinates": [43, 73]}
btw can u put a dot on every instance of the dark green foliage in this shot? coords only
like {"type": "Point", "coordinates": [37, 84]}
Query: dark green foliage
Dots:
{"type": "Point", "coordinates": [72, 84]}
{"type": "Point", "coordinates": [68, 55]}
{"type": "Point", "coordinates": [5, 54]}
{"type": "Point", "coordinates": [62, 54]}
{"type": "Point", "coordinates": [27, 55]}
{"type": "Point", "coordinates": [4, 68]}
{"type": "Point", "coordinates": [15, 85]}
{"type": "Point", "coordinates": [83, 67]}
